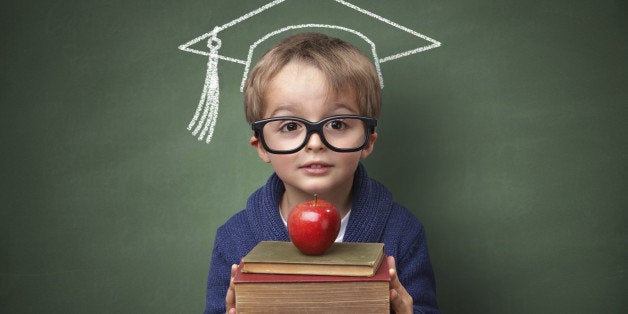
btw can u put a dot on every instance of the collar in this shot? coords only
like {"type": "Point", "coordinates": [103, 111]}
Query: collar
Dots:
{"type": "Point", "coordinates": [372, 204]}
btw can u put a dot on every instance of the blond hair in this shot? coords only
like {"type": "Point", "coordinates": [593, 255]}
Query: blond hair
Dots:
{"type": "Point", "coordinates": [344, 66]}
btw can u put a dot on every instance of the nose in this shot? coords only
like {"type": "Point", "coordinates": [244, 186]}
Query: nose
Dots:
{"type": "Point", "coordinates": [314, 143]}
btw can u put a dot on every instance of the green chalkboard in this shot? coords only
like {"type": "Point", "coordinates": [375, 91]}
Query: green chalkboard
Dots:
{"type": "Point", "coordinates": [509, 141]}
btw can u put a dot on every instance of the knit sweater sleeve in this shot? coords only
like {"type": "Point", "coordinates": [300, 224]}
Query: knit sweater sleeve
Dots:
{"type": "Point", "coordinates": [232, 241]}
{"type": "Point", "coordinates": [412, 258]}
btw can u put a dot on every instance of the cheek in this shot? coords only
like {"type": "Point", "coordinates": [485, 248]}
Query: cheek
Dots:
{"type": "Point", "coordinates": [348, 162]}
{"type": "Point", "coordinates": [350, 158]}
{"type": "Point", "coordinates": [282, 163]}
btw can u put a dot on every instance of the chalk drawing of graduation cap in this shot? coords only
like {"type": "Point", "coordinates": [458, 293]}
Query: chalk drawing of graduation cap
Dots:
{"type": "Point", "coordinates": [204, 120]}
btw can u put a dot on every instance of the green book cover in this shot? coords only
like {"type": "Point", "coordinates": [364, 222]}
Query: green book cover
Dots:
{"type": "Point", "coordinates": [343, 258]}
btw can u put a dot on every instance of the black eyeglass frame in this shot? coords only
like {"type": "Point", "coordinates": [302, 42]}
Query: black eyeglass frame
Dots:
{"type": "Point", "coordinates": [315, 127]}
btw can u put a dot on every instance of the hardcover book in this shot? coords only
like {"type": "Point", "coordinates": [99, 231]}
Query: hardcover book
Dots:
{"type": "Point", "coordinates": [273, 293]}
{"type": "Point", "coordinates": [341, 259]}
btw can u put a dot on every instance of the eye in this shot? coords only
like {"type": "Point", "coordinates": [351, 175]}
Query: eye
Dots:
{"type": "Point", "coordinates": [289, 126]}
{"type": "Point", "coordinates": [337, 125]}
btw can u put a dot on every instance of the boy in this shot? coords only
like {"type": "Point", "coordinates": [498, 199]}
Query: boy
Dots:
{"type": "Point", "coordinates": [312, 101]}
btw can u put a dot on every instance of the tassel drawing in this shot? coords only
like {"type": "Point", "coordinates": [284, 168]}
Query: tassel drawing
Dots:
{"type": "Point", "coordinates": [207, 109]}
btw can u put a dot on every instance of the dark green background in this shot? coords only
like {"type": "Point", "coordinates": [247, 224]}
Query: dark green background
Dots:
{"type": "Point", "coordinates": [509, 142]}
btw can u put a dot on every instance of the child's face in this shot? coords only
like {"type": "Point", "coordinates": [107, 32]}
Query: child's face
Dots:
{"type": "Point", "coordinates": [301, 90]}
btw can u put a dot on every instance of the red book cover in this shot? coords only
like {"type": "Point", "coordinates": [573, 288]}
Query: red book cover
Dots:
{"type": "Point", "coordinates": [240, 277]}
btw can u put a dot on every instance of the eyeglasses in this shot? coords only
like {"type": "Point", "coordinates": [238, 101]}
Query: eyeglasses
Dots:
{"type": "Point", "coordinates": [288, 135]}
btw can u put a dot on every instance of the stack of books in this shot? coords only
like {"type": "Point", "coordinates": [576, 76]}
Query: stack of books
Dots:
{"type": "Point", "coordinates": [275, 277]}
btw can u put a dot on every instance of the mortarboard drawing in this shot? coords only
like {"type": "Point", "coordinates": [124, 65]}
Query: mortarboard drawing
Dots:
{"type": "Point", "coordinates": [204, 120]}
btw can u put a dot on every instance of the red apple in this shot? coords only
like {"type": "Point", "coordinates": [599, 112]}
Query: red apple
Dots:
{"type": "Point", "coordinates": [313, 226]}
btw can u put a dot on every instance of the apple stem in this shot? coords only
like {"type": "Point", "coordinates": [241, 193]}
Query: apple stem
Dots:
{"type": "Point", "coordinates": [315, 198]}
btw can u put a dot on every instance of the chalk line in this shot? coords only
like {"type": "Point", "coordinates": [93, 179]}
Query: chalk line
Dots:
{"type": "Point", "coordinates": [291, 27]}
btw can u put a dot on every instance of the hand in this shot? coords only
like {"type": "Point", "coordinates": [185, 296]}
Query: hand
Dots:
{"type": "Point", "coordinates": [230, 299]}
{"type": "Point", "coordinates": [400, 299]}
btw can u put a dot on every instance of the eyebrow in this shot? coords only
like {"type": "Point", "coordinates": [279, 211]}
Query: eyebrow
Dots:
{"type": "Point", "coordinates": [339, 108]}
{"type": "Point", "coordinates": [284, 107]}
{"type": "Point", "coordinates": [345, 106]}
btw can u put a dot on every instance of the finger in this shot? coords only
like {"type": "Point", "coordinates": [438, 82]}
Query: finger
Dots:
{"type": "Point", "coordinates": [392, 271]}
{"type": "Point", "coordinates": [394, 280]}
{"type": "Point", "coordinates": [230, 297]}
{"type": "Point", "coordinates": [393, 294]}
{"type": "Point", "coordinates": [391, 262]}
{"type": "Point", "coordinates": [400, 300]}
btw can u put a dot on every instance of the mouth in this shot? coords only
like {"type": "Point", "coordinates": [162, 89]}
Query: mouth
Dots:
{"type": "Point", "coordinates": [316, 164]}
{"type": "Point", "coordinates": [316, 167]}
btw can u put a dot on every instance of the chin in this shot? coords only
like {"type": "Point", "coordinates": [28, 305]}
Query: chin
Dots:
{"type": "Point", "coordinates": [312, 189]}
{"type": "Point", "coordinates": [316, 190]}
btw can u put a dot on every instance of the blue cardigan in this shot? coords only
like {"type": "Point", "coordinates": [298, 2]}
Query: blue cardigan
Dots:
{"type": "Point", "coordinates": [375, 217]}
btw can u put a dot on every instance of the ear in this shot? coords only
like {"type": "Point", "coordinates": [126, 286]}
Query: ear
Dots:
{"type": "Point", "coordinates": [261, 152]}
{"type": "Point", "coordinates": [369, 147]}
